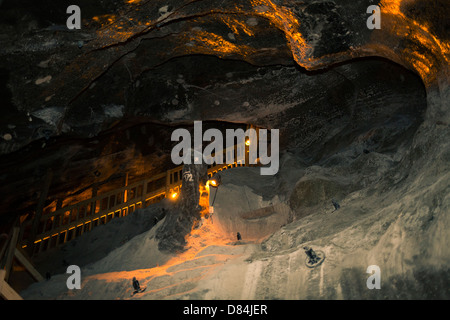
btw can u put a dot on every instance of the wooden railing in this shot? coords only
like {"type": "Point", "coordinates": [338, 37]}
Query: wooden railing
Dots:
{"type": "Point", "coordinates": [9, 251]}
{"type": "Point", "coordinates": [70, 222]}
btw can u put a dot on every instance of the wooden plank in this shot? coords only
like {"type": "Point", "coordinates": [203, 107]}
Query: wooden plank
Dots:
{"type": "Point", "coordinates": [27, 264]}
{"type": "Point", "coordinates": [4, 246]}
{"type": "Point", "coordinates": [167, 187]}
{"type": "Point", "coordinates": [125, 193]}
{"type": "Point", "coordinates": [144, 192]}
{"type": "Point", "coordinates": [10, 252]}
{"type": "Point", "coordinates": [6, 292]}
{"type": "Point", "coordinates": [39, 209]}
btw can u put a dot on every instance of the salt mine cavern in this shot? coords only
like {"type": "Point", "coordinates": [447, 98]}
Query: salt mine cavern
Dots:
{"type": "Point", "coordinates": [225, 150]}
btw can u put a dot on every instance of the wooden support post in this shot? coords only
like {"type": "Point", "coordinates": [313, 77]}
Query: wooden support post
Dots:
{"type": "Point", "coordinates": [10, 252]}
{"type": "Point", "coordinates": [94, 190]}
{"type": "Point", "coordinates": [22, 224]}
{"type": "Point", "coordinates": [125, 193]}
{"type": "Point", "coordinates": [94, 195]}
{"type": "Point", "coordinates": [78, 213]}
{"type": "Point", "coordinates": [4, 246]}
{"type": "Point", "coordinates": [144, 193]}
{"type": "Point", "coordinates": [167, 183]}
{"type": "Point", "coordinates": [6, 292]}
{"type": "Point", "coordinates": [27, 264]}
{"type": "Point", "coordinates": [53, 222]}
{"type": "Point", "coordinates": [65, 236]}
{"type": "Point", "coordinates": [59, 203]}
{"type": "Point", "coordinates": [38, 214]}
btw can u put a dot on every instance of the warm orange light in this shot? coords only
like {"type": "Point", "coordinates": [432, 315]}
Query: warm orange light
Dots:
{"type": "Point", "coordinates": [285, 20]}
{"type": "Point", "coordinates": [214, 181]}
{"type": "Point", "coordinates": [419, 33]}
{"type": "Point", "coordinates": [174, 195]}
{"type": "Point", "coordinates": [207, 235]}
{"type": "Point", "coordinates": [211, 42]}
{"type": "Point", "coordinates": [247, 142]}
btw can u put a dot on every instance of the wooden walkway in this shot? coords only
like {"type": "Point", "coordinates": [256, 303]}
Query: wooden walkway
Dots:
{"type": "Point", "coordinates": [67, 223]}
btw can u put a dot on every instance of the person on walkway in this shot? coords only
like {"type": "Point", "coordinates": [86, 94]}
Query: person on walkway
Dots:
{"type": "Point", "coordinates": [239, 236]}
{"type": "Point", "coordinates": [136, 285]}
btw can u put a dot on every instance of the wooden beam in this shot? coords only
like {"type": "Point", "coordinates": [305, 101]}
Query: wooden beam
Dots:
{"type": "Point", "coordinates": [6, 292]}
{"type": "Point", "coordinates": [10, 252]}
{"type": "Point", "coordinates": [22, 225]}
{"type": "Point", "coordinates": [167, 187]}
{"type": "Point", "coordinates": [125, 193]}
{"type": "Point", "coordinates": [38, 214]}
{"type": "Point", "coordinates": [4, 245]}
{"type": "Point", "coordinates": [28, 265]}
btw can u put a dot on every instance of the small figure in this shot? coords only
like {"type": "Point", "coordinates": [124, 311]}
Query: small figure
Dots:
{"type": "Point", "coordinates": [313, 258]}
{"type": "Point", "coordinates": [155, 220]}
{"type": "Point", "coordinates": [239, 236]}
{"type": "Point", "coordinates": [335, 204]}
{"type": "Point", "coordinates": [311, 254]}
{"type": "Point", "coordinates": [136, 285]}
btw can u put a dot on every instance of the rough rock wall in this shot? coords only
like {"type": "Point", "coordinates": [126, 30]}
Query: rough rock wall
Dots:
{"type": "Point", "coordinates": [263, 32]}
{"type": "Point", "coordinates": [148, 61]}
{"type": "Point", "coordinates": [187, 211]}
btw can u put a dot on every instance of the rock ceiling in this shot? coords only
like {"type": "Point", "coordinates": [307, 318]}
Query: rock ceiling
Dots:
{"type": "Point", "coordinates": [167, 62]}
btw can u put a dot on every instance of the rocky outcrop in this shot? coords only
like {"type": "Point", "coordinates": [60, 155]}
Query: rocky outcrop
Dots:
{"type": "Point", "coordinates": [187, 211]}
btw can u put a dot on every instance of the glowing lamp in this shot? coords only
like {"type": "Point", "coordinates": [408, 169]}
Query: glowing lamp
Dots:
{"type": "Point", "coordinates": [247, 142]}
{"type": "Point", "coordinates": [215, 181]}
{"type": "Point", "coordinates": [174, 195]}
